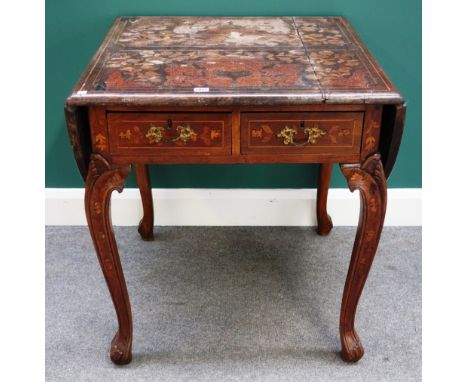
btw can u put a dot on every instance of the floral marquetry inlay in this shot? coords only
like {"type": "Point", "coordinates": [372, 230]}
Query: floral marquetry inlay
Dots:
{"type": "Point", "coordinates": [340, 69]}
{"type": "Point", "coordinates": [317, 56]}
{"type": "Point", "coordinates": [100, 142]}
{"type": "Point", "coordinates": [370, 143]}
{"type": "Point", "coordinates": [215, 134]}
{"type": "Point", "coordinates": [97, 207]}
{"type": "Point", "coordinates": [125, 134]}
{"type": "Point", "coordinates": [211, 68]}
{"type": "Point", "coordinates": [371, 136]}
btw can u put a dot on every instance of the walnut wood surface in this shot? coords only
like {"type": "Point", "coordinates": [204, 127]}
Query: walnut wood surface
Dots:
{"type": "Point", "coordinates": [393, 124]}
{"type": "Point", "coordinates": [135, 133]}
{"type": "Point", "coordinates": [369, 179]}
{"type": "Point", "coordinates": [78, 132]}
{"type": "Point", "coordinates": [234, 90]}
{"type": "Point", "coordinates": [101, 181]}
{"type": "Point", "coordinates": [145, 228]}
{"type": "Point", "coordinates": [324, 221]}
{"type": "Point", "coordinates": [339, 133]}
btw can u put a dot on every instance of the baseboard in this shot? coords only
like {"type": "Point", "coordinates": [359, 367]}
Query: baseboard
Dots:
{"type": "Point", "coordinates": [233, 207]}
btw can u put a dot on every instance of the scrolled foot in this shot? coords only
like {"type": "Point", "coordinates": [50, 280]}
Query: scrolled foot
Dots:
{"type": "Point", "coordinates": [121, 350]}
{"type": "Point", "coordinates": [352, 349]}
{"type": "Point", "coordinates": [324, 222]}
{"type": "Point", "coordinates": [145, 230]}
{"type": "Point", "coordinates": [325, 226]}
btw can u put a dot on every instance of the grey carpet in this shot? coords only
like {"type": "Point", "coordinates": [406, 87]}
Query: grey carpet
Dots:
{"type": "Point", "coordinates": [233, 304]}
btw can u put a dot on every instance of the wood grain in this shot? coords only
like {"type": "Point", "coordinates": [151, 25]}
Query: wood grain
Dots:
{"type": "Point", "coordinates": [324, 221]}
{"type": "Point", "coordinates": [137, 133]}
{"type": "Point", "coordinates": [145, 227]}
{"type": "Point", "coordinates": [393, 124]}
{"type": "Point", "coordinates": [101, 181]}
{"type": "Point", "coordinates": [369, 179]}
{"type": "Point", "coordinates": [340, 133]}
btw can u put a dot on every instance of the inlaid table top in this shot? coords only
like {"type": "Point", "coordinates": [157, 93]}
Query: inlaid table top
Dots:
{"type": "Point", "coordinates": [233, 60]}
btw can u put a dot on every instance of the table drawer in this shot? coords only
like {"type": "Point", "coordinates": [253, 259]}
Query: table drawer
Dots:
{"type": "Point", "coordinates": [301, 133]}
{"type": "Point", "coordinates": [169, 133]}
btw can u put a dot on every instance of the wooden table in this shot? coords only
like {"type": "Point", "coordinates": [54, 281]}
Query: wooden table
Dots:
{"type": "Point", "coordinates": [234, 90]}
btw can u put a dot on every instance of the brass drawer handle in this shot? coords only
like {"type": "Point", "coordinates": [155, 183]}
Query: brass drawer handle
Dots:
{"type": "Point", "coordinates": [313, 133]}
{"type": "Point", "coordinates": [155, 134]}
{"type": "Point", "coordinates": [185, 133]}
{"type": "Point", "coordinates": [288, 135]}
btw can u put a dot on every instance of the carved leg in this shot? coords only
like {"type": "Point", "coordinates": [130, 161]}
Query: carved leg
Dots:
{"type": "Point", "coordinates": [369, 179]}
{"type": "Point", "coordinates": [101, 181]}
{"type": "Point", "coordinates": [324, 222]}
{"type": "Point", "coordinates": [145, 228]}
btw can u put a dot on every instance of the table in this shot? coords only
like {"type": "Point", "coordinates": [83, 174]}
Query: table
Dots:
{"type": "Point", "coordinates": [234, 90]}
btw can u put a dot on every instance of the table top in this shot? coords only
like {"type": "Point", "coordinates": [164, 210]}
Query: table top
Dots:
{"type": "Point", "coordinates": [164, 60]}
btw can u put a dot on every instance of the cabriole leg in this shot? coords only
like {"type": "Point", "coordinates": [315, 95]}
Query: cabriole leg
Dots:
{"type": "Point", "coordinates": [145, 228]}
{"type": "Point", "coordinates": [324, 222]}
{"type": "Point", "coordinates": [370, 180]}
{"type": "Point", "coordinates": [102, 179]}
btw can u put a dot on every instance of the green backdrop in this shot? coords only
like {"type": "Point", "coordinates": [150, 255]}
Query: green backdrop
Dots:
{"type": "Point", "coordinates": [74, 30]}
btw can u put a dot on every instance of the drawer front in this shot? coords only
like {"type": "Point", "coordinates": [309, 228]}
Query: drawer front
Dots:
{"type": "Point", "coordinates": [169, 133]}
{"type": "Point", "coordinates": [301, 133]}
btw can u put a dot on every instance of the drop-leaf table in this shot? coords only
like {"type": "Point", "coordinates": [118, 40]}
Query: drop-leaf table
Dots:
{"type": "Point", "coordinates": [234, 90]}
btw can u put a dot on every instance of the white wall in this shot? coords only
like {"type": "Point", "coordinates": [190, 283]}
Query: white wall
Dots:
{"type": "Point", "coordinates": [230, 207]}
